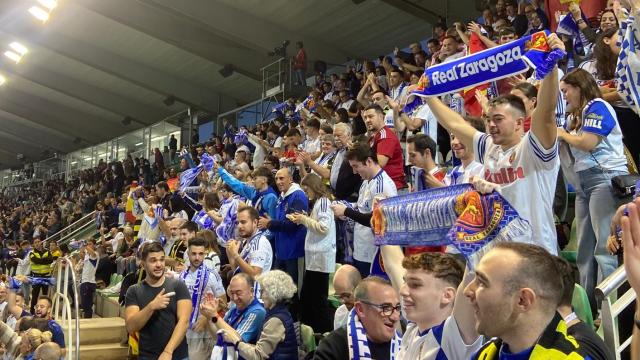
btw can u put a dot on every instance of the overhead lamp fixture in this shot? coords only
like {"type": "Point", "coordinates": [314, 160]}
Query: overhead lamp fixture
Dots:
{"type": "Point", "coordinates": [227, 70]}
{"type": "Point", "coordinates": [138, 144]}
{"type": "Point", "coordinates": [39, 13]}
{"type": "Point", "coordinates": [19, 48]}
{"type": "Point", "coordinates": [169, 100]}
{"type": "Point", "coordinates": [49, 4]}
{"type": "Point", "coordinates": [13, 56]}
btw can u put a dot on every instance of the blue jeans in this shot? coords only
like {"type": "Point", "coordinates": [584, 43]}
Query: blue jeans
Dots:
{"type": "Point", "coordinates": [595, 206]}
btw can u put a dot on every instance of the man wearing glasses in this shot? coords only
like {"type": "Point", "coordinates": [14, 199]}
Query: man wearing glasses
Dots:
{"type": "Point", "coordinates": [371, 326]}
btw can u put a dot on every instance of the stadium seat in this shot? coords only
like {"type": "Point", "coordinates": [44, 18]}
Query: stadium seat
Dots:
{"type": "Point", "coordinates": [581, 306]}
{"type": "Point", "coordinates": [570, 251]}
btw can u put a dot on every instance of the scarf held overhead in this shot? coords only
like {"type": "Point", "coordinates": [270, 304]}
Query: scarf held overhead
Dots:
{"type": "Point", "coordinates": [454, 215]}
{"type": "Point", "coordinates": [491, 64]}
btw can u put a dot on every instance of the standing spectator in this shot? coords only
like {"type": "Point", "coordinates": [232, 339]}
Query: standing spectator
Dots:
{"type": "Point", "coordinates": [386, 145]}
{"type": "Point", "coordinates": [88, 278]}
{"type": "Point", "coordinates": [320, 254]}
{"type": "Point", "coordinates": [173, 147]}
{"type": "Point", "coordinates": [595, 140]}
{"type": "Point", "coordinates": [289, 237]}
{"type": "Point", "coordinates": [376, 182]}
{"type": "Point", "coordinates": [425, 173]}
{"type": "Point", "coordinates": [41, 260]}
{"type": "Point", "coordinates": [253, 255]}
{"type": "Point", "coordinates": [159, 309]}
{"type": "Point", "coordinates": [300, 64]}
{"type": "Point", "coordinates": [525, 168]}
{"type": "Point", "coordinates": [159, 159]}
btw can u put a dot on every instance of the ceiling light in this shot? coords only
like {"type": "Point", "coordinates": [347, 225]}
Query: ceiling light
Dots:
{"type": "Point", "coordinates": [39, 13]}
{"type": "Point", "coordinates": [49, 4]}
{"type": "Point", "coordinates": [158, 138]}
{"type": "Point", "coordinates": [74, 162]}
{"type": "Point", "coordinates": [138, 144]}
{"type": "Point", "coordinates": [13, 56]}
{"type": "Point", "coordinates": [19, 48]}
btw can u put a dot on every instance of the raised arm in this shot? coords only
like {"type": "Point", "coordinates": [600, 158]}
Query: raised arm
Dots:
{"type": "Point", "coordinates": [392, 257]}
{"type": "Point", "coordinates": [543, 119]}
{"type": "Point", "coordinates": [452, 121]}
{"type": "Point", "coordinates": [463, 311]}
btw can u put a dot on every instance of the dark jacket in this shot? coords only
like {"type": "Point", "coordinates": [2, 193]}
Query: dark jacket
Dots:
{"type": "Point", "coordinates": [288, 348]}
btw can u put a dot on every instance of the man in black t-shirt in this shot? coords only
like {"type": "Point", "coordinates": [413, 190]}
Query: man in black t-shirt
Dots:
{"type": "Point", "coordinates": [590, 343]}
{"type": "Point", "coordinates": [159, 309]}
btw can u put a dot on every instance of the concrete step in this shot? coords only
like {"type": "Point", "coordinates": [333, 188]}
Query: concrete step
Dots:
{"type": "Point", "coordinates": [100, 331]}
{"type": "Point", "coordinates": [112, 351]}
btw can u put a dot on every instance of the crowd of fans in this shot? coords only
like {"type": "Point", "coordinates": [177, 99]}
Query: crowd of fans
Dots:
{"type": "Point", "coordinates": [232, 245]}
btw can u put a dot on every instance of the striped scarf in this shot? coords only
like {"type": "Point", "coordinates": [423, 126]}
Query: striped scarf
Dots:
{"type": "Point", "coordinates": [359, 344]}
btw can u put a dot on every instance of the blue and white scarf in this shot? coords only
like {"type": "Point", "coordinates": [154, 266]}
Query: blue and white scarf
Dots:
{"type": "Point", "coordinates": [202, 279]}
{"type": "Point", "coordinates": [188, 176]}
{"type": "Point", "coordinates": [488, 65]}
{"type": "Point", "coordinates": [229, 211]}
{"type": "Point", "coordinates": [454, 215]}
{"type": "Point", "coordinates": [628, 67]}
{"type": "Point", "coordinates": [153, 216]}
{"type": "Point", "coordinates": [224, 350]}
{"type": "Point", "coordinates": [359, 344]}
{"type": "Point", "coordinates": [202, 219]}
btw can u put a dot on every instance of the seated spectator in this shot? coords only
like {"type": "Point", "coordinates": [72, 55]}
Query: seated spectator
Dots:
{"type": "Point", "coordinates": [345, 280]}
{"type": "Point", "coordinates": [372, 323]}
{"type": "Point", "coordinates": [246, 315]}
{"type": "Point", "coordinates": [278, 338]}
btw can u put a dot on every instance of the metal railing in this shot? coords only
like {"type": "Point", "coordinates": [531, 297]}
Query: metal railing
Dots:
{"type": "Point", "coordinates": [73, 229]}
{"type": "Point", "coordinates": [612, 308]}
{"type": "Point", "coordinates": [61, 298]}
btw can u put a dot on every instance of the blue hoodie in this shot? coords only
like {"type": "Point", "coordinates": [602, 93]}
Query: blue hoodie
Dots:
{"type": "Point", "coordinates": [289, 237]}
{"type": "Point", "coordinates": [264, 201]}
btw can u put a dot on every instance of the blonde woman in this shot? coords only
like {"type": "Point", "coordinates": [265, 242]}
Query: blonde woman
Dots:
{"type": "Point", "coordinates": [31, 339]}
{"type": "Point", "coordinates": [320, 254]}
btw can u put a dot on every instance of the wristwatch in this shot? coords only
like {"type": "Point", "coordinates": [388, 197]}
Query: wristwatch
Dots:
{"type": "Point", "coordinates": [214, 319]}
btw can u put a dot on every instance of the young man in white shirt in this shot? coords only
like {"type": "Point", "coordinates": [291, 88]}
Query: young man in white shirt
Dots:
{"type": "Point", "coordinates": [431, 287]}
{"type": "Point", "coordinates": [376, 182]}
{"type": "Point", "coordinates": [523, 168]}
{"type": "Point", "coordinates": [252, 256]}
{"type": "Point", "coordinates": [469, 167]}
{"type": "Point", "coordinates": [312, 143]}
{"type": "Point", "coordinates": [200, 281]}
{"type": "Point", "coordinates": [88, 277]}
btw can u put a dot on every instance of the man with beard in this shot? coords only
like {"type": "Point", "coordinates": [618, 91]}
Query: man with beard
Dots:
{"type": "Point", "coordinates": [43, 311]}
{"type": "Point", "coordinates": [159, 308]}
{"type": "Point", "coordinates": [253, 256]}
{"type": "Point", "coordinates": [200, 281]}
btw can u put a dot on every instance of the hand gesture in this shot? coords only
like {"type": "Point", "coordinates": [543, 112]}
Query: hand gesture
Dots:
{"type": "Point", "coordinates": [395, 105]}
{"type": "Point", "coordinates": [209, 306]}
{"type": "Point", "coordinates": [263, 222]}
{"type": "Point", "coordinates": [474, 28]}
{"type": "Point", "coordinates": [160, 302]}
{"type": "Point", "coordinates": [554, 42]}
{"type": "Point", "coordinates": [483, 186]}
{"type": "Point", "coordinates": [295, 218]}
{"type": "Point", "coordinates": [575, 11]}
{"type": "Point", "coordinates": [482, 99]}
{"type": "Point", "coordinates": [338, 209]}
{"type": "Point", "coordinates": [233, 246]}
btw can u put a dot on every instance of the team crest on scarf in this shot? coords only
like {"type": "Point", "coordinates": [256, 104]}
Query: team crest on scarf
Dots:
{"type": "Point", "coordinates": [454, 215]}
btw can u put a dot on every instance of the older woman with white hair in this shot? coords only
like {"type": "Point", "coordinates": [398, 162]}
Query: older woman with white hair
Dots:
{"type": "Point", "coordinates": [278, 337]}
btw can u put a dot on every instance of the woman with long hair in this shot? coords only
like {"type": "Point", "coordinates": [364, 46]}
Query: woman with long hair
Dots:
{"type": "Point", "coordinates": [602, 64]}
{"type": "Point", "coordinates": [595, 141]}
{"type": "Point", "coordinates": [319, 252]}
{"type": "Point", "coordinates": [212, 251]}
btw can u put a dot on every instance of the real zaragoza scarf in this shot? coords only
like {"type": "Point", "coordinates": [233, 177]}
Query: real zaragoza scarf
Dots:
{"type": "Point", "coordinates": [359, 344]}
{"type": "Point", "coordinates": [489, 65]}
{"type": "Point", "coordinates": [454, 215]}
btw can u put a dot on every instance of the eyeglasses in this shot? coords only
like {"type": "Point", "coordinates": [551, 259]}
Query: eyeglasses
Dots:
{"type": "Point", "coordinates": [386, 309]}
{"type": "Point", "coordinates": [344, 296]}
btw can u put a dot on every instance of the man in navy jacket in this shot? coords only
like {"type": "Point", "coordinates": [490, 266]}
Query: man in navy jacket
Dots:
{"type": "Point", "coordinates": [289, 237]}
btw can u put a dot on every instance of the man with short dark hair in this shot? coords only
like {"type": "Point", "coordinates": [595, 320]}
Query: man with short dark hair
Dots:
{"type": "Point", "coordinates": [43, 311]}
{"type": "Point", "coordinates": [200, 281]}
{"type": "Point", "coordinates": [41, 260]}
{"type": "Point", "coordinates": [386, 145]}
{"type": "Point", "coordinates": [515, 293]}
{"type": "Point", "coordinates": [159, 309]}
{"type": "Point", "coordinates": [252, 255]}
{"type": "Point", "coordinates": [523, 167]}
{"type": "Point", "coordinates": [590, 342]}
{"type": "Point", "coordinates": [163, 193]}
{"type": "Point", "coordinates": [371, 328]}
{"type": "Point", "coordinates": [425, 174]}
{"type": "Point", "coordinates": [375, 183]}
